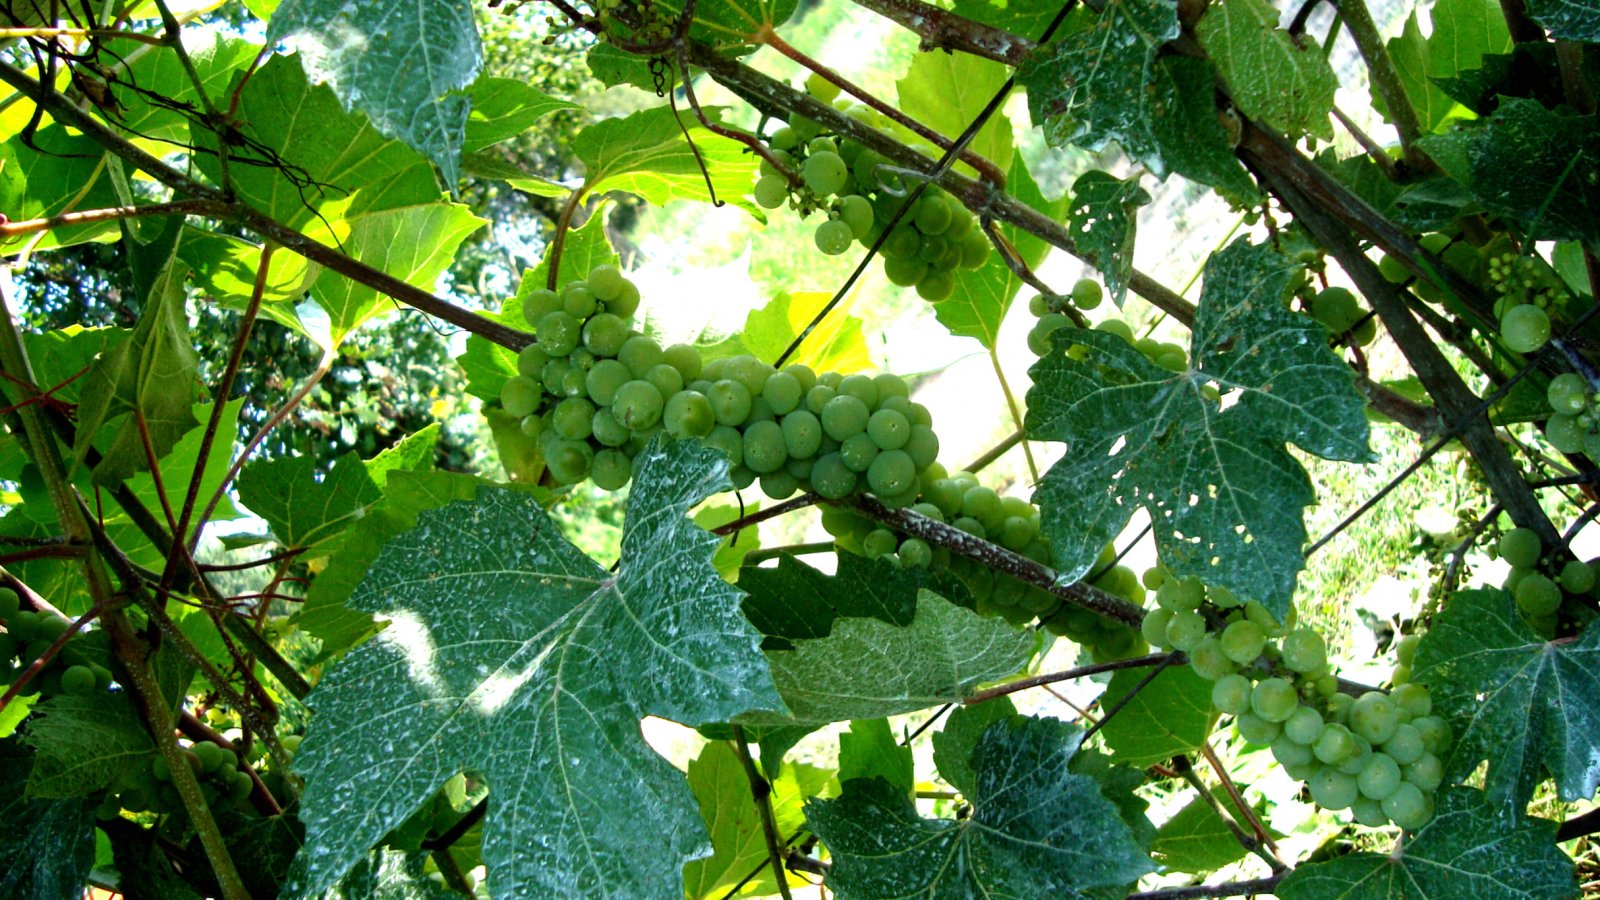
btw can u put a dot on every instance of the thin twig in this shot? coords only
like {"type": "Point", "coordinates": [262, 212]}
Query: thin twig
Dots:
{"type": "Point", "coordinates": [761, 790]}
{"type": "Point", "coordinates": [1022, 684]}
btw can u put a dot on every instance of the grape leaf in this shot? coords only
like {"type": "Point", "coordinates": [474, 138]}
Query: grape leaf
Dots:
{"type": "Point", "coordinates": [1170, 715]}
{"type": "Point", "coordinates": [793, 601]}
{"type": "Point", "coordinates": [1196, 839]}
{"type": "Point", "coordinates": [1568, 20]}
{"type": "Point", "coordinates": [225, 267]}
{"type": "Point", "coordinates": [151, 375]}
{"type": "Point", "coordinates": [870, 750]}
{"type": "Point", "coordinates": [214, 56]}
{"type": "Point", "coordinates": [386, 874]}
{"type": "Point", "coordinates": [1464, 31]}
{"type": "Point", "coordinates": [178, 466]}
{"type": "Point", "coordinates": [1186, 128]}
{"type": "Point", "coordinates": [731, 24]}
{"type": "Point", "coordinates": [729, 811]}
{"type": "Point", "coordinates": [1539, 168]}
{"type": "Point", "coordinates": [837, 344]}
{"type": "Point", "coordinates": [46, 846]}
{"type": "Point", "coordinates": [1513, 698]}
{"type": "Point", "coordinates": [402, 63]}
{"type": "Point", "coordinates": [1269, 76]}
{"type": "Point", "coordinates": [1104, 217]}
{"type": "Point", "coordinates": [1036, 829]}
{"type": "Point", "coordinates": [953, 744]}
{"type": "Point", "coordinates": [1027, 19]}
{"type": "Point", "coordinates": [511, 654]}
{"type": "Point", "coordinates": [503, 108]}
{"type": "Point", "coordinates": [85, 744]}
{"type": "Point", "coordinates": [1469, 849]}
{"type": "Point", "coordinates": [868, 668]}
{"type": "Point", "coordinates": [947, 91]}
{"type": "Point", "coordinates": [1225, 495]}
{"type": "Point", "coordinates": [303, 512]}
{"type": "Point", "coordinates": [66, 172]}
{"type": "Point", "coordinates": [646, 153]}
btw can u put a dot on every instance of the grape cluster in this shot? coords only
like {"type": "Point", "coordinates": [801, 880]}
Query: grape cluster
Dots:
{"type": "Point", "coordinates": [594, 391]}
{"type": "Point", "coordinates": [1528, 291]}
{"type": "Point", "coordinates": [1574, 423]}
{"type": "Point", "coordinates": [28, 636]}
{"type": "Point", "coordinates": [1085, 295]}
{"type": "Point", "coordinates": [841, 179]}
{"type": "Point", "coordinates": [1377, 755]}
{"type": "Point", "coordinates": [1539, 597]}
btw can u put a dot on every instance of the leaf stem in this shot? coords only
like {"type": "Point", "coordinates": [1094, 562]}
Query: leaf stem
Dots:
{"type": "Point", "coordinates": [1022, 684]}
{"type": "Point", "coordinates": [1016, 413]}
{"type": "Point", "coordinates": [1386, 81]}
{"type": "Point", "coordinates": [995, 452]}
{"type": "Point", "coordinates": [761, 790]}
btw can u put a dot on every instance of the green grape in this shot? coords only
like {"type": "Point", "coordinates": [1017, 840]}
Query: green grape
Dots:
{"type": "Point", "coordinates": [1369, 812]}
{"type": "Point", "coordinates": [78, 680]}
{"type": "Point", "coordinates": [937, 286]}
{"type": "Point", "coordinates": [915, 552]}
{"type": "Point", "coordinates": [1304, 726]}
{"type": "Point", "coordinates": [763, 447]}
{"type": "Point", "coordinates": [1426, 773]}
{"type": "Point", "coordinates": [903, 243]}
{"type": "Point", "coordinates": [946, 494]}
{"type": "Point", "coordinates": [983, 504]}
{"type": "Point", "coordinates": [559, 333]}
{"type": "Point", "coordinates": [1407, 807]}
{"type": "Point", "coordinates": [1577, 577]}
{"type": "Point", "coordinates": [730, 400]}
{"type": "Point", "coordinates": [932, 215]}
{"type": "Point", "coordinates": [607, 430]}
{"type": "Point", "coordinates": [1269, 625]}
{"type": "Point", "coordinates": [1086, 294]}
{"type": "Point", "coordinates": [727, 439]}
{"type": "Point", "coordinates": [817, 398]}
{"type": "Point", "coordinates": [923, 446]}
{"type": "Point", "coordinates": [1274, 699]}
{"type": "Point", "coordinates": [1405, 745]}
{"type": "Point", "coordinates": [1358, 759]}
{"type": "Point", "coordinates": [1333, 789]}
{"type": "Point", "coordinates": [782, 392]}
{"type": "Point", "coordinates": [825, 173]}
{"type": "Point", "coordinates": [771, 191]}
{"type": "Point", "coordinates": [1207, 658]}
{"type": "Point", "coordinates": [554, 376]}
{"type": "Point", "coordinates": [539, 303]}
{"type": "Point", "coordinates": [855, 211]}
{"type": "Point", "coordinates": [626, 303]}
{"type": "Point", "coordinates": [858, 451]}
{"type": "Point", "coordinates": [1412, 699]}
{"type": "Point", "coordinates": [603, 381]}
{"type": "Point", "coordinates": [831, 478]}
{"type": "Point", "coordinates": [638, 405]}
{"type": "Point", "coordinates": [1016, 532]}
{"type": "Point", "coordinates": [1243, 641]}
{"type": "Point", "coordinates": [640, 354]}
{"type": "Point", "coordinates": [1379, 777]}
{"type": "Point", "coordinates": [611, 469]}
{"type": "Point", "coordinates": [1525, 328]}
{"type": "Point", "coordinates": [904, 271]}
{"type": "Point", "coordinates": [891, 474]}
{"type": "Point", "coordinates": [833, 237]}
{"type": "Point", "coordinates": [574, 383]}
{"type": "Point", "coordinates": [573, 418]}
{"type": "Point", "coordinates": [568, 461]}
{"type": "Point", "coordinates": [520, 395]}
{"type": "Point", "coordinates": [1255, 729]}
{"type": "Point", "coordinates": [843, 416]}
{"type": "Point", "coordinates": [974, 249]}
{"type": "Point", "coordinates": [666, 379]}
{"type": "Point", "coordinates": [1154, 627]}
{"type": "Point", "coordinates": [531, 362]}
{"type": "Point", "coordinates": [1179, 594]}
{"type": "Point", "coordinates": [1289, 753]}
{"type": "Point", "coordinates": [880, 542]}
{"type": "Point", "coordinates": [861, 387]}
{"type": "Point", "coordinates": [605, 334]}
{"type": "Point", "coordinates": [1565, 433]}
{"type": "Point", "coordinates": [750, 372]}
{"type": "Point", "coordinates": [10, 603]}
{"type": "Point", "coordinates": [1568, 393]}
{"type": "Point", "coordinates": [779, 485]}
{"type": "Point", "coordinates": [606, 282]}
{"type": "Point", "coordinates": [1374, 717]}
{"type": "Point", "coordinates": [1185, 630]}
{"type": "Point", "coordinates": [802, 434]}
{"type": "Point", "coordinates": [1335, 744]}
{"type": "Point", "coordinates": [1537, 595]}
{"type": "Point", "coordinates": [685, 358]}
{"type": "Point", "coordinates": [889, 430]}
{"type": "Point", "coordinates": [1230, 693]}
{"type": "Point", "coordinates": [688, 415]}
{"type": "Point", "coordinates": [1304, 650]}
{"type": "Point", "coordinates": [1520, 547]}
{"type": "Point", "coordinates": [578, 301]}
{"type": "Point", "coordinates": [1338, 708]}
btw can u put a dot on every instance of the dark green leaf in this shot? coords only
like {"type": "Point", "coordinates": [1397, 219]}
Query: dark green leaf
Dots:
{"type": "Point", "coordinates": [953, 744]}
{"type": "Point", "coordinates": [793, 601]}
{"type": "Point", "coordinates": [646, 154]}
{"type": "Point", "coordinates": [1568, 20]}
{"type": "Point", "coordinates": [46, 846]}
{"type": "Point", "coordinates": [1036, 830]}
{"type": "Point", "coordinates": [1469, 849]}
{"type": "Point", "coordinates": [403, 64]}
{"type": "Point", "coordinates": [1269, 75]}
{"type": "Point", "coordinates": [385, 874]}
{"type": "Point", "coordinates": [1526, 705]}
{"type": "Point", "coordinates": [1225, 495]}
{"type": "Point", "coordinates": [1104, 217]}
{"type": "Point", "coordinates": [870, 750]}
{"type": "Point", "coordinates": [1464, 31]}
{"type": "Point", "coordinates": [303, 512]}
{"type": "Point", "coordinates": [85, 744]}
{"type": "Point", "coordinates": [1188, 134]}
{"type": "Point", "coordinates": [513, 655]}
{"type": "Point", "coordinates": [1026, 19]}
{"type": "Point", "coordinates": [1169, 716]}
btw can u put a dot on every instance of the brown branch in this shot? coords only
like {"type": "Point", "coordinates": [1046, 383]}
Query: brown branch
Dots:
{"type": "Point", "coordinates": [90, 216]}
{"type": "Point", "coordinates": [939, 29]}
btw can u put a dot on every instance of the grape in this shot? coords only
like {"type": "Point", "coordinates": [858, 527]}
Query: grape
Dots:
{"type": "Point", "coordinates": [1333, 789]}
{"type": "Point", "coordinates": [638, 405]}
{"type": "Point", "coordinates": [1537, 595]}
{"type": "Point", "coordinates": [1243, 641]}
{"type": "Point", "coordinates": [891, 387]}
{"type": "Point", "coordinates": [578, 301]}
{"type": "Point", "coordinates": [891, 473]}
{"type": "Point", "coordinates": [1406, 650]}
{"type": "Point", "coordinates": [1154, 629]}
{"type": "Point", "coordinates": [1016, 532]}
{"type": "Point", "coordinates": [604, 379]}
{"type": "Point", "coordinates": [605, 334]}
{"type": "Point", "coordinates": [688, 415]}
{"type": "Point", "coordinates": [1304, 726]}
{"type": "Point", "coordinates": [916, 552]}
{"type": "Point", "coordinates": [1525, 328]}
{"type": "Point", "coordinates": [559, 332]}
{"type": "Point", "coordinates": [802, 434]}
{"type": "Point", "coordinates": [1231, 693]}
{"type": "Point", "coordinates": [1274, 699]}
{"type": "Point", "coordinates": [983, 504]}
{"type": "Point", "coordinates": [1520, 547]}
{"type": "Point", "coordinates": [684, 358]}
{"type": "Point", "coordinates": [1357, 760]}
{"type": "Point", "coordinates": [1335, 744]}
{"type": "Point", "coordinates": [568, 461]}
{"type": "Point", "coordinates": [573, 418]}
{"type": "Point", "coordinates": [1435, 733]}
{"type": "Point", "coordinates": [831, 478]}
{"type": "Point", "coordinates": [904, 271]}
{"type": "Point", "coordinates": [640, 354]}
{"type": "Point", "coordinates": [1207, 658]}
{"type": "Point", "coordinates": [1289, 753]}
{"type": "Point", "coordinates": [833, 237]}
{"type": "Point", "coordinates": [843, 416]}
{"type": "Point", "coordinates": [946, 494]}
{"type": "Point", "coordinates": [606, 282]}
{"type": "Point", "coordinates": [856, 213]}
{"type": "Point", "coordinates": [1565, 434]}
{"type": "Point", "coordinates": [1304, 651]}
{"type": "Point", "coordinates": [763, 447]}
{"type": "Point", "coordinates": [626, 303]}
{"type": "Point", "coordinates": [771, 191]}
{"type": "Point", "coordinates": [531, 362]}
{"type": "Point", "coordinates": [1407, 807]}
{"type": "Point", "coordinates": [1185, 630]}
{"type": "Point", "coordinates": [727, 439]}
{"type": "Point", "coordinates": [825, 173]}
{"type": "Point", "coordinates": [879, 542]}
{"type": "Point", "coordinates": [1379, 777]}
{"type": "Point", "coordinates": [1369, 812]}
{"type": "Point", "coordinates": [1412, 699]}
{"type": "Point", "coordinates": [932, 215]}
{"type": "Point", "coordinates": [574, 382]}
{"type": "Point", "coordinates": [782, 392]}
{"type": "Point", "coordinates": [1086, 294]}
{"type": "Point", "coordinates": [936, 286]}
{"type": "Point", "coordinates": [1405, 746]}
{"type": "Point", "coordinates": [858, 451]}
{"type": "Point", "coordinates": [1374, 717]}
{"type": "Point", "coordinates": [611, 469]}
{"type": "Point", "coordinates": [974, 249]}
{"type": "Point", "coordinates": [861, 387]}
{"type": "Point", "coordinates": [730, 400]}
{"type": "Point", "coordinates": [1568, 393]}
{"type": "Point", "coordinates": [903, 243]}
{"type": "Point", "coordinates": [1178, 594]}
{"type": "Point", "coordinates": [607, 430]}
{"type": "Point", "coordinates": [923, 446]}
{"type": "Point", "coordinates": [1258, 614]}
{"type": "Point", "coordinates": [1255, 729]}
{"type": "Point", "coordinates": [520, 395]}
{"type": "Point", "coordinates": [1426, 773]}
{"type": "Point", "coordinates": [78, 680]}
{"type": "Point", "coordinates": [889, 430]}
{"type": "Point", "coordinates": [779, 485]}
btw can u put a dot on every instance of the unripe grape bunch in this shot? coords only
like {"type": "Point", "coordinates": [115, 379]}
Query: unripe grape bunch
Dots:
{"type": "Point", "coordinates": [845, 186]}
{"type": "Point", "coordinates": [1540, 592]}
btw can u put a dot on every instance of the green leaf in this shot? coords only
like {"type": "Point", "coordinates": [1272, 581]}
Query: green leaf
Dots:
{"type": "Point", "coordinates": [414, 453]}
{"type": "Point", "coordinates": [1027, 19]}
{"type": "Point", "coordinates": [1225, 495]}
{"type": "Point", "coordinates": [1522, 703]}
{"type": "Point", "coordinates": [953, 744]}
{"type": "Point", "coordinates": [1469, 849]}
{"type": "Point", "coordinates": [306, 513]}
{"type": "Point", "coordinates": [731, 23]}
{"type": "Point", "coordinates": [793, 601]}
{"type": "Point", "coordinates": [85, 744]}
{"type": "Point", "coordinates": [225, 267]}
{"type": "Point", "coordinates": [947, 92]}
{"type": "Point", "coordinates": [837, 345]}
{"type": "Point", "coordinates": [646, 154]}
{"type": "Point", "coordinates": [324, 614]}
{"type": "Point", "coordinates": [178, 466]}
{"type": "Point", "coordinates": [1464, 32]}
{"type": "Point", "coordinates": [215, 57]}
{"type": "Point", "coordinates": [401, 63]}
{"type": "Point", "coordinates": [1105, 214]}
{"type": "Point", "coordinates": [1036, 830]}
{"type": "Point", "coordinates": [983, 295]}
{"type": "Point", "coordinates": [728, 809]}
{"type": "Point", "coordinates": [1271, 77]}
{"type": "Point", "coordinates": [46, 846]}
{"type": "Point", "coordinates": [503, 108]}
{"type": "Point", "coordinates": [1568, 20]}
{"type": "Point", "coordinates": [614, 66]}
{"type": "Point", "coordinates": [732, 548]}
{"type": "Point", "coordinates": [386, 874]}
{"type": "Point", "coordinates": [1187, 131]}
{"type": "Point", "coordinates": [870, 750]}
{"type": "Point", "coordinates": [1196, 839]}
{"type": "Point", "coordinates": [868, 668]}
{"type": "Point", "coordinates": [515, 656]}
{"type": "Point", "coordinates": [66, 172]}
{"type": "Point", "coordinates": [1169, 716]}
{"type": "Point", "coordinates": [1537, 167]}
{"type": "Point", "coordinates": [60, 358]}
{"type": "Point", "coordinates": [151, 375]}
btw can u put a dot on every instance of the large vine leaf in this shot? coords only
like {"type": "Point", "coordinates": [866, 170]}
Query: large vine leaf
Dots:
{"type": "Point", "coordinates": [729, 810]}
{"type": "Point", "coordinates": [1468, 849]}
{"type": "Point", "coordinates": [511, 654]}
{"type": "Point", "coordinates": [731, 24]}
{"type": "Point", "coordinates": [646, 153]}
{"type": "Point", "coordinates": [1170, 715]}
{"type": "Point", "coordinates": [1568, 20]}
{"type": "Point", "coordinates": [947, 91]}
{"type": "Point", "coordinates": [46, 846]}
{"type": "Point", "coordinates": [1269, 76]}
{"type": "Point", "coordinates": [66, 172]}
{"type": "Point", "coordinates": [869, 669]}
{"type": "Point", "coordinates": [503, 108]}
{"type": "Point", "coordinates": [1523, 703]}
{"type": "Point", "coordinates": [402, 63]}
{"type": "Point", "coordinates": [1225, 496]}
{"type": "Point", "coordinates": [1538, 167]}
{"type": "Point", "coordinates": [215, 58]}
{"type": "Point", "coordinates": [1104, 217]}
{"type": "Point", "coordinates": [837, 344]}
{"type": "Point", "coordinates": [963, 728]}
{"type": "Point", "coordinates": [1036, 829]}
{"type": "Point", "coordinates": [870, 750]}
{"type": "Point", "coordinates": [1464, 32]}
{"type": "Point", "coordinates": [386, 874]}
{"type": "Point", "coordinates": [1196, 839]}
{"type": "Point", "coordinates": [303, 511]}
